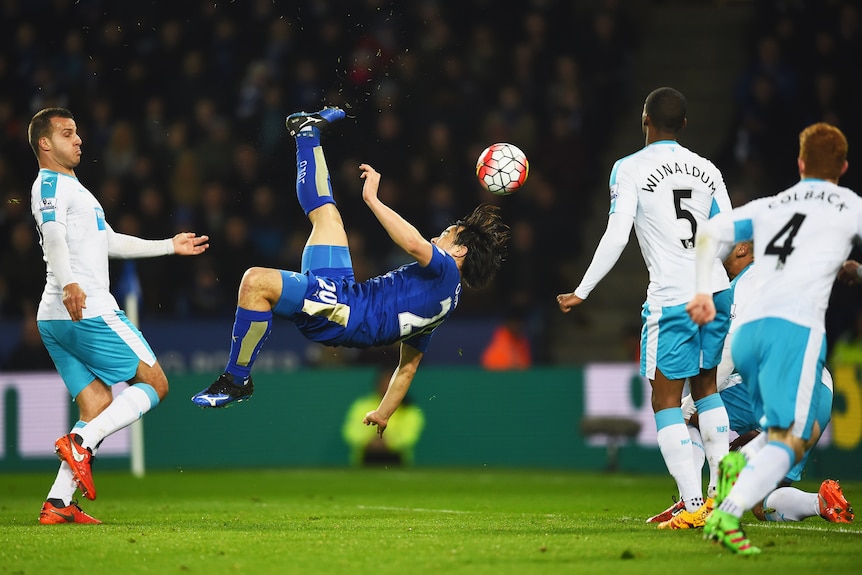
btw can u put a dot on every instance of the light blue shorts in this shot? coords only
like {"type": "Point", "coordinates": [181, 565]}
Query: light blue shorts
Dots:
{"type": "Point", "coordinates": [672, 343]}
{"type": "Point", "coordinates": [824, 416]}
{"type": "Point", "coordinates": [782, 363]}
{"type": "Point", "coordinates": [107, 348]}
{"type": "Point", "coordinates": [738, 403]}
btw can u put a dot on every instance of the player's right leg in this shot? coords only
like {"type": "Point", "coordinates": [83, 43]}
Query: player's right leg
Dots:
{"type": "Point", "coordinates": [264, 291]}
{"type": "Point", "coordinates": [90, 355]}
{"type": "Point", "coordinates": [260, 292]}
{"type": "Point", "coordinates": [670, 354]}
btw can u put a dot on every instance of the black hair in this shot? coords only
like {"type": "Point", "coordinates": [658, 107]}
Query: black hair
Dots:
{"type": "Point", "coordinates": [667, 109]}
{"type": "Point", "coordinates": [484, 235]}
{"type": "Point", "coordinates": [40, 125]}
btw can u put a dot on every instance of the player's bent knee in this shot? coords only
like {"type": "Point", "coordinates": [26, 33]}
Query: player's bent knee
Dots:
{"type": "Point", "coordinates": [154, 377]}
{"type": "Point", "coordinates": [260, 282]}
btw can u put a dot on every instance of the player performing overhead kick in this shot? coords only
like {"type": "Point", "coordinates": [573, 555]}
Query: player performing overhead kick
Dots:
{"type": "Point", "coordinates": [326, 302]}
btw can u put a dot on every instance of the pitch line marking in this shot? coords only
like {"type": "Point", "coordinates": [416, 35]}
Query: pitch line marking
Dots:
{"type": "Point", "coordinates": [422, 509]}
{"type": "Point", "coordinates": [787, 525]}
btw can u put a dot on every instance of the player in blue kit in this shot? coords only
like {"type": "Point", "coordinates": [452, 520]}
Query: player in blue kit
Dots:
{"type": "Point", "coordinates": [666, 191]}
{"type": "Point", "coordinates": [329, 306]}
{"type": "Point", "coordinates": [802, 237]}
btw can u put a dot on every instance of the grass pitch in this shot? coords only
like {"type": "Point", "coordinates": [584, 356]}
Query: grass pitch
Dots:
{"type": "Point", "coordinates": [392, 521]}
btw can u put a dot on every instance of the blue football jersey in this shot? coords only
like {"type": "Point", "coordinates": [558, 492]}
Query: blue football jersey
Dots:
{"type": "Point", "coordinates": [406, 304]}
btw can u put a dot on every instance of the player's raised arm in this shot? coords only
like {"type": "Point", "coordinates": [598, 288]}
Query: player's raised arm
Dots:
{"type": "Point", "coordinates": [400, 230]}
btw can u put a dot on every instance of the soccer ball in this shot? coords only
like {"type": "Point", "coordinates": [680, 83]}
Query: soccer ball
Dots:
{"type": "Point", "coordinates": [502, 168]}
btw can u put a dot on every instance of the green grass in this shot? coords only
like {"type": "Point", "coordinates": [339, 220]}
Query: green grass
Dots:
{"type": "Point", "coordinates": [392, 521]}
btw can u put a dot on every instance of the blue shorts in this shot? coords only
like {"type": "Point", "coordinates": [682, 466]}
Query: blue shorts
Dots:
{"type": "Point", "coordinates": [323, 260]}
{"type": "Point", "coordinates": [824, 416]}
{"type": "Point", "coordinates": [672, 343]}
{"type": "Point", "coordinates": [782, 363]}
{"type": "Point", "coordinates": [108, 348]}
{"type": "Point", "coordinates": [737, 400]}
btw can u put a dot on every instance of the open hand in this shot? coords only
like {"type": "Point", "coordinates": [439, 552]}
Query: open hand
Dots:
{"type": "Point", "coordinates": [189, 244]}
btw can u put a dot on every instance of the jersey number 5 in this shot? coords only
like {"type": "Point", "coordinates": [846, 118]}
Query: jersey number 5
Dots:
{"type": "Point", "coordinates": [682, 214]}
{"type": "Point", "coordinates": [785, 235]}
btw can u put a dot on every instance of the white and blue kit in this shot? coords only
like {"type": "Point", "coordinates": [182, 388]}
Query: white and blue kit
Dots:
{"type": "Point", "coordinates": [801, 237]}
{"type": "Point", "coordinates": [77, 242]}
{"type": "Point", "coordinates": [666, 191]}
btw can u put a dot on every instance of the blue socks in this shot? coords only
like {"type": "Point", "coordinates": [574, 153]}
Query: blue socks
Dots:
{"type": "Point", "coordinates": [313, 186]}
{"type": "Point", "coordinates": [250, 330]}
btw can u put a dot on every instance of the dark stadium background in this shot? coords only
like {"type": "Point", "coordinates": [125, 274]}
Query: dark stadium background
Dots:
{"type": "Point", "coordinates": [181, 108]}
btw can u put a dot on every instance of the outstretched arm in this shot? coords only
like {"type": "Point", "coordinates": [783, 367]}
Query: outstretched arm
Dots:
{"type": "Point", "coordinates": [124, 246]}
{"type": "Point", "coordinates": [400, 230]}
{"type": "Point", "coordinates": [609, 250]}
{"type": "Point", "coordinates": [398, 386]}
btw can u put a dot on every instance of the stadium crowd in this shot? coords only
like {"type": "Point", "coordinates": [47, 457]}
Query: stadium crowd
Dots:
{"type": "Point", "coordinates": [181, 108]}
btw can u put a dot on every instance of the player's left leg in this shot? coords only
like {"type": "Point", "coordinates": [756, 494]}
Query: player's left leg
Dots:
{"type": "Point", "coordinates": [106, 349]}
{"type": "Point", "coordinates": [147, 388]}
{"type": "Point", "coordinates": [772, 352]}
{"type": "Point", "coordinates": [260, 292]}
{"type": "Point", "coordinates": [265, 291]}
{"type": "Point", "coordinates": [791, 504]}
{"type": "Point", "coordinates": [670, 353]}
{"type": "Point", "coordinates": [713, 420]}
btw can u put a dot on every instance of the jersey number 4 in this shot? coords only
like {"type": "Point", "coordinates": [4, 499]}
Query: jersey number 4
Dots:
{"type": "Point", "coordinates": [785, 236]}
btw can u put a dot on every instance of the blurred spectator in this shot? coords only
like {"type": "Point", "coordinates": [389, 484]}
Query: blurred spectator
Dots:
{"type": "Point", "coordinates": [509, 347]}
{"type": "Point", "coordinates": [121, 152]}
{"type": "Point", "coordinates": [21, 288]}
{"type": "Point", "coordinates": [397, 444]}
{"type": "Point", "coordinates": [267, 231]}
{"type": "Point", "coordinates": [30, 353]}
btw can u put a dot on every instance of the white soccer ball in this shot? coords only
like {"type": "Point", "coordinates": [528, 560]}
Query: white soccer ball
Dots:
{"type": "Point", "coordinates": [502, 168]}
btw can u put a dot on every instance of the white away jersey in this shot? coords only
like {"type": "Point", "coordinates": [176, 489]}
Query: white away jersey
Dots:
{"type": "Point", "coordinates": [670, 191]}
{"type": "Point", "coordinates": [801, 236]}
{"type": "Point", "coordinates": [63, 199]}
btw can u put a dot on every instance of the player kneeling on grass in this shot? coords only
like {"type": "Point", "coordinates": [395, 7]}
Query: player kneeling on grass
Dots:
{"type": "Point", "coordinates": [329, 306]}
{"type": "Point", "coordinates": [785, 503]}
